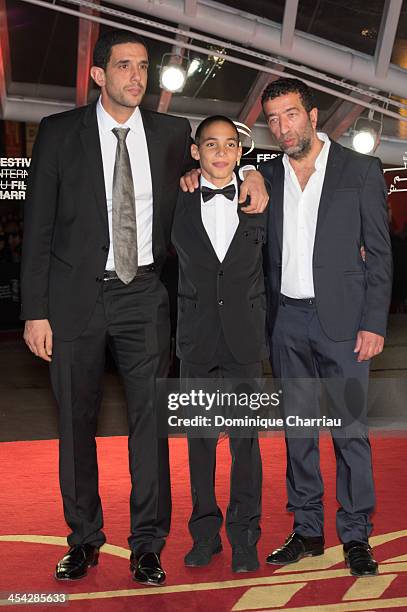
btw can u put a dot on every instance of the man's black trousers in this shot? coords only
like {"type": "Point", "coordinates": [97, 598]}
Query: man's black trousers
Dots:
{"type": "Point", "coordinates": [134, 321]}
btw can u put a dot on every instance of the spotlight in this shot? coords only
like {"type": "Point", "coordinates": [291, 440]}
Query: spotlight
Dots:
{"type": "Point", "coordinates": [172, 74]}
{"type": "Point", "coordinates": [366, 134]}
{"type": "Point", "coordinates": [193, 66]}
{"type": "Point", "coordinates": [364, 141]}
{"type": "Point", "coordinates": [172, 78]}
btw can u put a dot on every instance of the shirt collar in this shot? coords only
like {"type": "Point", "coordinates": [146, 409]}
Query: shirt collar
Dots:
{"type": "Point", "coordinates": [106, 122]}
{"type": "Point", "coordinates": [320, 162]}
{"type": "Point", "coordinates": [206, 183]}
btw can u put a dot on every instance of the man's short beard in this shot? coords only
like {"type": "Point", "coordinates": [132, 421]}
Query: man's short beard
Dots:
{"type": "Point", "coordinates": [304, 144]}
{"type": "Point", "coordinates": [302, 149]}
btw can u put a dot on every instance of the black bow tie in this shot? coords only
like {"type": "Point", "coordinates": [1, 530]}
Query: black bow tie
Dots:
{"type": "Point", "coordinates": [207, 193]}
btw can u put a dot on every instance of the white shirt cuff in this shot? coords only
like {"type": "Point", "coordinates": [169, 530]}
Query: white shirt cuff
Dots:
{"type": "Point", "coordinates": [244, 169]}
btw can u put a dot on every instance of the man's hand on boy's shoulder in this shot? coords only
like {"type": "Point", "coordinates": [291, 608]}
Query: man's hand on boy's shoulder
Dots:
{"type": "Point", "coordinates": [253, 186]}
{"type": "Point", "coordinates": [190, 180]}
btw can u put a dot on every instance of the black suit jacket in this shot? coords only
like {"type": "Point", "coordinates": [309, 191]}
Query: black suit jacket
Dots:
{"type": "Point", "coordinates": [66, 237]}
{"type": "Point", "coordinates": [215, 296]}
{"type": "Point", "coordinates": [351, 295]}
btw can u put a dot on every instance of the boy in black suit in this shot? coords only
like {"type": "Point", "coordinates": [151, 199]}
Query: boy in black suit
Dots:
{"type": "Point", "coordinates": [221, 333]}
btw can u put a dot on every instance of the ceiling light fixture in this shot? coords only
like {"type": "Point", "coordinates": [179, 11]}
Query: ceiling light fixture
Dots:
{"type": "Point", "coordinates": [366, 134]}
{"type": "Point", "coordinates": [194, 66]}
{"type": "Point", "coordinates": [172, 73]}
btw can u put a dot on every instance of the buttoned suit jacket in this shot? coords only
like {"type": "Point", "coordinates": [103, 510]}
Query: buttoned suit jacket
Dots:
{"type": "Point", "coordinates": [66, 235]}
{"type": "Point", "coordinates": [216, 296]}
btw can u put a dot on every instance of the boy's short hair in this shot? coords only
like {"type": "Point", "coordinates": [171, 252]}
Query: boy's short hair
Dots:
{"type": "Point", "coordinates": [209, 121]}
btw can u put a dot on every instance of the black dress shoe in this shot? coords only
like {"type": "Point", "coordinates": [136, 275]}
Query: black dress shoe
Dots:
{"type": "Point", "coordinates": [76, 562]}
{"type": "Point", "coordinates": [202, 551]}
{"type": "Point", "coordinates": [244, 559]}
{"type": "Point", "coordinates": [295, 548]}
{"type": "Point", "coordinates": [359, 559]}
{"type": "Point", "coordinates": [146, 568]}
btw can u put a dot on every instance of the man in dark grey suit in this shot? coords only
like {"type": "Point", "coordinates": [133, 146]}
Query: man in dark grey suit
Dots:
{"type": "Point", "coordinates": [328, 311]}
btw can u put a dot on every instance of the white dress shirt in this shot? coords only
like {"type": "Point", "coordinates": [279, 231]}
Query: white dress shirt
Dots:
{"type": "Point", "coordinates": [220, 218]}
{"type": "Point", "coordinates": [140, 169]}
{"type": "Point", "coordinates": [299, 226]}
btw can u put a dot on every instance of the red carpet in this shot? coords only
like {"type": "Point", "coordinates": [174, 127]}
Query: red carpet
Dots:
{"type": "Point", "coordinates": [30, 506]}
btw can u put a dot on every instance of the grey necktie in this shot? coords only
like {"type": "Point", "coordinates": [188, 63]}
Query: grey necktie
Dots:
{"type": "Point", "coordinates": [124, 224]}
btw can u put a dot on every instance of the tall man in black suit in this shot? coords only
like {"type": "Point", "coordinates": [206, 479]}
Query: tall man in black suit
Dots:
{"type": "Point", "coordinates": [221, 334]}
{"type": "Point", "coordinates": [328, 312]}
{"type": "Point", "coordinates": [102, 190]}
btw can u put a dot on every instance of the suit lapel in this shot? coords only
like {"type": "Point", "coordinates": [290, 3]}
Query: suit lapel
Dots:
{"type": "Point", "coordinates": [243, 218]}
{"type": "Point", "coordinates": [277, 201]}
{"type": "Point", "coordinates": [333, 172]}
{"type": "Point", "coordinates": [89, 135]}
{"type": "Point", "coordinates": [152, 132]}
